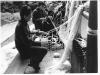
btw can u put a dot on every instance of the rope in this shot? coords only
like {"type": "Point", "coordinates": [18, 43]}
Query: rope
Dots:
{"type": "Point", "coordinates": [61, 25]}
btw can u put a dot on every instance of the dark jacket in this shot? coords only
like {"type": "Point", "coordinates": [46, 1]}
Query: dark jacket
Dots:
{"type": "Point", "coordinates": [23, 37]}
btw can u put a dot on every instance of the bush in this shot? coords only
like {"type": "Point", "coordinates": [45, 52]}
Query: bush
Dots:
{"type": "Point", "coordinates": [8, 18]}
{"type": "Point", "coordinates": [11, 6]}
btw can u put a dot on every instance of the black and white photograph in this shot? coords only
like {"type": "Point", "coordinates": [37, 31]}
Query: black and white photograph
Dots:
{"type": "Point", "coordinates": [49, 36]}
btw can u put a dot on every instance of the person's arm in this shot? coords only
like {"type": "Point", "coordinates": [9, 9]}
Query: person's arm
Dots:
{"type": "Point", "coordinates": [38, 32]}
{"type": "Point", "coordinates": [29, 37]}
{"type": "Point", "coordinates": [35, 38]}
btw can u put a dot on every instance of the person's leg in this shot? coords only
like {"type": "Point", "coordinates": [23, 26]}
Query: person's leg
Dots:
{"type": "Point", "coordinates": [24, 53]}
{"type": "Point", "coordinates": [37, 54]}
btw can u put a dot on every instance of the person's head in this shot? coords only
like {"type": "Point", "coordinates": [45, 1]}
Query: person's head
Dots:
{"type": "Point", "coordinates": [36, 14]}
{"type": "Point", "coordinates": [25, 13]}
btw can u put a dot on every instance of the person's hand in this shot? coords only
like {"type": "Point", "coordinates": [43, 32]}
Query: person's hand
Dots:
{"type": "Point", "coordinates": [43, 33]}
{"type": "Point", "coordinates": [43, 19]}
{"type": "Point", "coordinates": [50, 17]}
{"type": "Point", "coordinates": [34, 31]}
{"type": "Point", "coordinates": [44, 42]}
{"type": "Point", "coordinates": [38, 39]}
{"type": "Point", "coordinates": [34, 37]}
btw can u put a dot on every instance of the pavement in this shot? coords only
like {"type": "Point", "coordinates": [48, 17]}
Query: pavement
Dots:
{"type": "Point", "coordinates": [7, 30]}
{"type": "Point", "coordinates": [7, 53]}
{"type": "Point", "coordinates": [17, 66]}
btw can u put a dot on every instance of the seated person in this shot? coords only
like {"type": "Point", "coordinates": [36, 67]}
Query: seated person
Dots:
{"type": "Point", "coordinates": [25, 44]}
{"type": "Point", "coordinates": [41, 19]}
{"type": "Point", "coordinates": [44, 22]}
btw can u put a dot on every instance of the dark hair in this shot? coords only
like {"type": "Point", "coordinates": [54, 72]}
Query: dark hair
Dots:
{"type": "Point", "coordinates": [39, 12]}
{"type": "Point", "coordinates": [25, 11]}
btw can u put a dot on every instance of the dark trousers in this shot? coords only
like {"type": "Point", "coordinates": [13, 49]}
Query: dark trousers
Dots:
{"type": "Point", "coordinates": [35, 54]}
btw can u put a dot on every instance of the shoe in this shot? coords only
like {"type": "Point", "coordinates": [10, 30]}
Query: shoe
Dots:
{"type": "Point", "coordinates": [37, 69]}
{"type": "Point", "coordinates": [29, 70]}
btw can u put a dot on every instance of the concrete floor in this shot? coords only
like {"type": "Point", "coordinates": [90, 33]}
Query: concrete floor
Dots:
{"type": "Point", "coordinates": [18, 66]}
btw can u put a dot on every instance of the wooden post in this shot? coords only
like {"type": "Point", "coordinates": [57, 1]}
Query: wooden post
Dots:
{"type": "Point", "coordinates": [92, 39]}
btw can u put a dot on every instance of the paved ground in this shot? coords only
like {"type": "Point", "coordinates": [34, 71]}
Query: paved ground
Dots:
{"type": "Point", "coordinates": [7, 30]}
{"type": "Point", "coordinates": [7, 53]}
{"type": "Point", "coordinates": [18, 66]}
